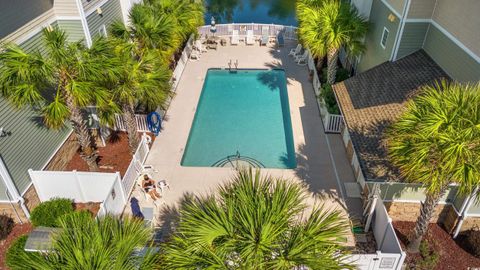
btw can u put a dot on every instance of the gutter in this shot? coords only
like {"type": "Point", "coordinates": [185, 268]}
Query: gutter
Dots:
{"type": "Point", "coordinates": [398, 39]}
{"type": "Point", "coordinates": [463, 212]}
{"type": "Point", "coordinates": [12, 189]}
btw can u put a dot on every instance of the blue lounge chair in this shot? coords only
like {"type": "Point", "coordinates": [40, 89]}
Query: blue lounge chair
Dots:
{"type": "Point", "coordinates": [280, 40]}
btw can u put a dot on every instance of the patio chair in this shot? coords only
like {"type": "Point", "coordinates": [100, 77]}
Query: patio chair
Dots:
{"type": "Point", "coordinates": [250, 38]}
{"type": "Point", "coordinates": [265, 37]}
{"type": "Point", "coordinates": [142, 190]}
{"type": "Point", "coordinates": [235, 39]}
{"type": "Point", "coordinates": [280, 40]}
{"type": "Point", "coordinates": [162, 184]}
{"type": "Point", "coordinates": [296, 51]}
{"type": "Point", "coordinates": [199, 47]}
{"type": "Point", "coordinates": [194, 55]}
{"type": "Point", "coordinates": [302, 60]}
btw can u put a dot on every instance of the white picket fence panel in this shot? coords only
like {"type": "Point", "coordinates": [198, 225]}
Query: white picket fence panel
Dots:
{"type": "Point", "coordinates": [135, 166]}
{"type": "Point", "coordinates": [140, 119]}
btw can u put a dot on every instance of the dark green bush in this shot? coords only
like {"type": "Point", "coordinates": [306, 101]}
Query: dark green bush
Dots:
{"type": "Point", "coordinates": [6, 226]}
{"type": "Point", "coordinates": [342, 74]}
{"type": "Point", "coordinates": [17, 258]}
{"type": "Point", "coordinates": [47, 213]}
{"type": "Point", "coordinates": [472, 242]}
{"type": "Point", "coordinates": [329, 97]}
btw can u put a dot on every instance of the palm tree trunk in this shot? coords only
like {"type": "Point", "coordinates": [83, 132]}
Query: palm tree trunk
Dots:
{"type": "Point", "coordinates": [131, 123]}
{"type": "Point", "coordinates": [426, 212]}
{"type": "Point", "coordinates": [332, 59]}
{"type": "Point", "coordinates": [320, 64]}
{"type": "Point", "coordinates": [88, 151]}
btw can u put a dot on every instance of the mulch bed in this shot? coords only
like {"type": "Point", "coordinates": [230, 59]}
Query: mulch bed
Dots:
{"type": "Point", "coordinates": [114, 157]}
{"type": "Point", "coordinates": [18, 230]}
{"type": "Point", "coordinates": [92, 207]}
{"type": "Point", "coordinates": [452, 256]}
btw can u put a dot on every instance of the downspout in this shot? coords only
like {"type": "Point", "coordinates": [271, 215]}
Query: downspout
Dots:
{"type": "Point", "coordinates": [396, 46]}
{"type": "Point", "coordinates": [10, 186]}
{"type": "Point", "coordinates": [13, 206]}
{"type": "Point", "coordinates": [463, 212]}
{"type": "Point", "coordinates": [83, 19]}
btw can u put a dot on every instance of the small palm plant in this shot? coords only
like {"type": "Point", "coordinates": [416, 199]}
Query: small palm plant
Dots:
{"type": "Point", "coordinates": [256, 222]}
{"type": "Point", "coordinates": [105, 243]}
{"type": "Point", "coordinates": [326, 26]}
{"type": "Point", "coordinates": [437, 143]}
{"type": "Point", "coordinates": [143, 81]}
{"type": "Point", "coordinates": [61, 81]}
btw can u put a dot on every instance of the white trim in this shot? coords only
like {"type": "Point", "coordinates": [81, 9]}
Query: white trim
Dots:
{"type": "Point", "coordinates": [94, 8]}
{"type": "Point", "coordinates": [446, 33]}
{"type": "Point", "coordinates": [7, 180]}
{"type": "Point", "coordinates": [472, 215]}
{"type": "Point", "coordinates": [383, 35]}
{"type": "Point", "coordinates": [391, 8]}
{"type": "Point", "coordinates": [68, 18]}
{"type": "Point", "coordinates": [398, 39]}
{"type": "Point", "coordinates": [83, 19]}
{"type": "Point", "coordinates": [3, 201]}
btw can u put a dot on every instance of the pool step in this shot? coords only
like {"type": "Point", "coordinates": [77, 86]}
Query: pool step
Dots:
{"type": "Point", "coordinates": [236, 161]}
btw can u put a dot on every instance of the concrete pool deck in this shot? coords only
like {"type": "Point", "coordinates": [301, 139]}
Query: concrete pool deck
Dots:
{"type": "Point", "coordinates": [321, 159]}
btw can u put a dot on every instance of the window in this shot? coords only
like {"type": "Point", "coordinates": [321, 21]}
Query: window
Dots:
{"type": "Point", "coordinates": [383, 41]}
{"type": "Point", "coordinates": [102, 30]}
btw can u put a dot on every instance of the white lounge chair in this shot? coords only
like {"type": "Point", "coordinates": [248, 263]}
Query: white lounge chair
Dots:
{"type": "Point", "coordinates": [265, 36]}
{"type": "Point", "coordinates": [250, 40]}
{"type": "Point", "coordinates": [303, 56]}
{"type": "Point", "coordinates": [235, 39]}
{"type": "Point", "coordinates": [296, 51]}
{"type": "Point", "coordinates": [199, 47]}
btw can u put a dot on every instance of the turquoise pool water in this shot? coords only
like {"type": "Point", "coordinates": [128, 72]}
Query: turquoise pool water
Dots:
{"type": "Point", "coordinates": [243, 113]}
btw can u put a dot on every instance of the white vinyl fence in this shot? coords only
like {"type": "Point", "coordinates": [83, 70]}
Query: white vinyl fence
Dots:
{"type": "Point", "coordinates": [136, 165]}
{"type": "Point", "coordinates": [288, 32]}
{"type": "Point", "coordinates": [333, 123]}
{"type": "Point", "coordinates": [389, 255]}
{"type": "Point", "coordinates": [81, 187]}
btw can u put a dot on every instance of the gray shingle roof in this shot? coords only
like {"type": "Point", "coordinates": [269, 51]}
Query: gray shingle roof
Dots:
{"type": "Point", "coordinates": [372, 100]}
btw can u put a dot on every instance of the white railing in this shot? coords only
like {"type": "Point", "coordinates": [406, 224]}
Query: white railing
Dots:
{"type": "Point", "coordinates": [128, 180]}
{"type": "Point", "coordinates": [289, 32]}
{"type": "Point", "coordinates": [333, 123]}
{"type": "Point", "coordinates": [140, 119]}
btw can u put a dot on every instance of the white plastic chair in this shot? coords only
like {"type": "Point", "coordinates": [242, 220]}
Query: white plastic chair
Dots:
{"type": "Point", "coordinates": [199, 47]}
{"type": "Point", "coordinates": [296, 51]}
{"type": "Point", "coordinates": [162, 184]}
{"type": "Point", "coordinates": [235, 40]}
{"type": "Point", "coordinates": [301, 57]}
{"type": "Point", "coordinates": [250, 38]}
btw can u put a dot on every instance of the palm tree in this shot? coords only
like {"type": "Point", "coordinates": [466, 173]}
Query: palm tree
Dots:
{"type": "Point", "coordinates": [329, 26]}
{"type": "Point", "coordinates": [436, 143]}
{"type": "Point", "coordinates": [186, 14]}
{"type": "Point", "coordinates": [105, 243]}
{"type": "Point", "coordinates": [148, 29]}
{"type": "Point", "coordinates": [309, 31]}
{"type": "Point", "coordinates": [144, 81]}
{"type": "Point", "coordinates": [255, 222]}
{"type": "Point", "coordinates": [60, 81]}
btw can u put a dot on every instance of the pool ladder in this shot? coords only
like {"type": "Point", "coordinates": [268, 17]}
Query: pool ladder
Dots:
{"type": "Point", "coordinates": [230, 65]}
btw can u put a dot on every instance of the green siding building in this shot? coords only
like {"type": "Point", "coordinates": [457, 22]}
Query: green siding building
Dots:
{"type": "Point", "coordinates": [449, 31]}
{"type": "Point", "coordinates": [25, 142]}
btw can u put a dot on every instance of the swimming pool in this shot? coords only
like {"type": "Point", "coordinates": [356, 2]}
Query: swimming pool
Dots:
{"type": "Point", "coordinates": [244, 117]}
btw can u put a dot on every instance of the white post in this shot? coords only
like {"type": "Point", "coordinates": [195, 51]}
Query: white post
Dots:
{"type": "Point", "coordinates": [370, 213]}
{"type": "Point", "coordinates": [463, 212]}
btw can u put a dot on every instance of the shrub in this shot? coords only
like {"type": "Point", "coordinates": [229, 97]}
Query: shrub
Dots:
{"type": "Point", "coordinates": [342, 74]}
{"type": "Point", "coordinates": [6, 226]}
{"type": "Point", "coordinates": [429, 257]}
{"type": "Point", "coordinates": [17, 258]}
{"type": "Point", "coordinates": [47, 213]}
{"type": "Point", "coordinates": [472, 242]}
{"type": "Point", "coordinates": [329, 97]}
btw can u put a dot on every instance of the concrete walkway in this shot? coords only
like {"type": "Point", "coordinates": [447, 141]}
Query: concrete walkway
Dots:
{"type": "Point", "coordinates": [315, 167]}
